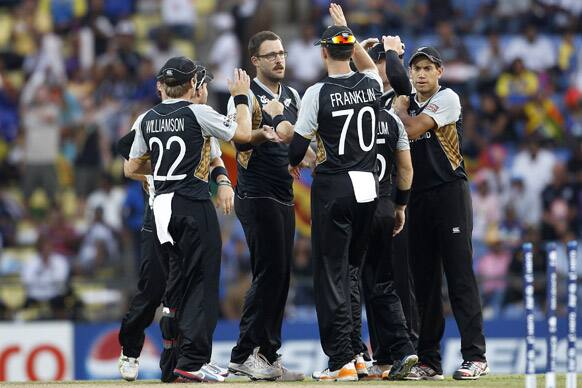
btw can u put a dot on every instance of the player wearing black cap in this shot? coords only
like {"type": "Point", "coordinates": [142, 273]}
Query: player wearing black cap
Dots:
{"type": "Point", "coordinates": [441, 218]}
{"type": "Point", "coordinates": [340, 113]}
{"type": "Point", "coordinates": [264, 206]}
{"type": "Point", "coordinates": [394, 352]}
{"type": "Point", "coordinates": [152, 281]}
{"type": "Point", "coordinates": [177, 136]}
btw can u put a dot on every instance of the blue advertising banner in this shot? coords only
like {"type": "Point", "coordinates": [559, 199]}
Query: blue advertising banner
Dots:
{"type": "Point", "coordinates": [97, 348]}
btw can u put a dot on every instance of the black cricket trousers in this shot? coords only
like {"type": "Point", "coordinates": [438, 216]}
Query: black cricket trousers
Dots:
{"type": "Point", "coordinates": [339, 233]}
{"type": "Point", "coordinates": [404, 280]}
{"type": "Point", "coordinates": [441, 224]}
{"type": "Point", "coordinates": [386, 321]}
{"type": "Point", "coordinates": [150, 289]}
{"type": "Point", "coordinates": [193, 267]}
{"type": "Point", "coordinates": [269, 228]}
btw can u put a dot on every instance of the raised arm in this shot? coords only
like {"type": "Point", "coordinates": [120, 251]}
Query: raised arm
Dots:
{"type": "Point", "coordinates": [239, 88]}
{"type": "Point", "coordinates": [361, 58]}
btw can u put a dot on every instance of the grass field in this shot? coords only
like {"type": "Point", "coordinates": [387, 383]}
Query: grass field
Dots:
{"type": "Point", "coordinates": [503, 381]}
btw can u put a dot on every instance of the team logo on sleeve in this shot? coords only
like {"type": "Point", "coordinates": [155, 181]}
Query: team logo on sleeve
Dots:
{"type": "Point", "coordinates": [229, 119]}
{"type": "Point", "coordinates": [432, 107]}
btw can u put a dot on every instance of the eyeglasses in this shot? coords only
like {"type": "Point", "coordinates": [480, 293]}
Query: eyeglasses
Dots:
{"type": "Point", "coordinates": [271, 57]}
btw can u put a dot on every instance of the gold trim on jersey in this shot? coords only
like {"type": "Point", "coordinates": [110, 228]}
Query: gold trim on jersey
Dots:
{"type": "Point", "coordinates": [257, 115]}
{"type": "Point", "coordinates": [243, 157]}
{"type": "Point", "coordinates": [320, 153]}
{"type": "Point", "coordinates": [203, 168]}
{"type": "Point", "coordinates": [449, 140]}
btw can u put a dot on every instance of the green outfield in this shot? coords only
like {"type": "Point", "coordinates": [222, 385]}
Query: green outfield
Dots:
{"type": "Point", "coordinates": [504, 381]}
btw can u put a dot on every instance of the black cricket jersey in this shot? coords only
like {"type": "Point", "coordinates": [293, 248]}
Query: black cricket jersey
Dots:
{"type": "Point", "coordinates": [262, 170]}
{"type": "Point", "coordinates": [436, 155]}
{"type": "Point", "coordinates": [390, 138]}
{"type": "Point", "coordinates": [341, 112]}
{"type": "Point", "coordinates": [176, 136]}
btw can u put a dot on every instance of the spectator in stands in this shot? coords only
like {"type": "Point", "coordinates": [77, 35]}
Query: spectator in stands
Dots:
{"type": "Point", "coordinates": [225, 55]}
{"type": "Point", "coordinates": [494, 120]}
{"type": "Point", "coordinates": [573, 103]}
{"type": "Point", "coordinates": [162, 49]}
{"type": "Point", "coordinates": [495, 171]}
{"type": "Point", "coordinates": [490, 62]}
{"type": "Point", "coordinates": [492, 270]}
{"type": "Point", "coordinates": [517, 85]}
{"type": "Point", "coordinates": [109, 199]}
{"type": "Point", "coordinates": [101, 26]}
{"type": "Point", "coordinates": [64, 237]}
{"type": "Point", "coordinates": [304, 61]}
{"type": "Point", "coordinates": [124, 47]}
{"type": "Point", "coordinates": [42, 125]}
{"type": "Point", "coordinates": [99, 248]}
{"type": "Point", "coordinates": [543, 116]}
{"type": "Point", "coordinates": [537, 52]}
{"type": "Point", "coordinates": [46, 278]}
{"type": "Point", "coordinates": [510, 229]}
{"type": "Point", "coordinates": [180, 16]}
{"type": "Point", "coordinates": [534, 165]}
{"type": "Point", "coordinates": [486, 211]}
{"type": "Point", "coordinates": [559, 205]}
{"type": "Point", "coordinates": [455, 56]}
{"type": "Point", "coordinates": [511, 14]}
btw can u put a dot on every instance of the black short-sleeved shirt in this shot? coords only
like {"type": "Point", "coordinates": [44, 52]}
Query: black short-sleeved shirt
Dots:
{"type": "Point", "coordinates": [177, 136]}
{"type": "Point", "coordinates": [437, 157]}
{"type": "Point", "coordinates": [262, 170]}
{"type": "Point", "coordinates": [390, 137]}
{"type": "Point", "coordinates": [341, 112]}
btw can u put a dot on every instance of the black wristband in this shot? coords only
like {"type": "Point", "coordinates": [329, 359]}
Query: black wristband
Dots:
{"type": "Point", "coordinates": [278, 120]}
{"type": "Point", "coordinates": [216, 171]}
{"type": "Point", "coordinates": [241, 99]}
{"type": "Point", "coordinates": [402, 197]}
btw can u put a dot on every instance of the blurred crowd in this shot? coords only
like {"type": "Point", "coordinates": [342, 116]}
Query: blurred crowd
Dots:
{"type": "Point", "coordinates": [75, 73]}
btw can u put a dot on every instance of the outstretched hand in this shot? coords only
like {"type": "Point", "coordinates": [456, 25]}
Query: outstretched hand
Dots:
{"type": "Point", "coordinates": [337, 15]}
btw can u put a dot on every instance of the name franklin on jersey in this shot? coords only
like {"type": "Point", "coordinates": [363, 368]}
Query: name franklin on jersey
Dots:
{"type": "Point", "coordinates": [165, 125]}
{"type": "Point", "coordinates": [352, 97]}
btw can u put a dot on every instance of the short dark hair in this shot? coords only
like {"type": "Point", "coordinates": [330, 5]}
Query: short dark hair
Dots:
{"type": "Point", "coordinates": [340, 52]}
{"type": "Point", "coordinates": [257, 40]}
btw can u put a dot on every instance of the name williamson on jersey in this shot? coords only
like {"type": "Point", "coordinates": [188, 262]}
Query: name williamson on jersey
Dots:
{"type": "Point", "coordinates": [165, 125]}
{"type": "Point", "coordinates": [352, 97]}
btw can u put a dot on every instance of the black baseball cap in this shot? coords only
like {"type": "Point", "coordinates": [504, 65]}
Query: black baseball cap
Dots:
{"type": "Point", "coordinates": [430, 52]}
{"type": "Point", "coordinates": [177, 71]}
{"type": "Point", "coordinates": [336, 35]}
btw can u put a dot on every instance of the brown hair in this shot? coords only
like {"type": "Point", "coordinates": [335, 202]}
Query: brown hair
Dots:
{"type": "Point", "coordinates": [257, 40]}
{"type": "Point", "coordinates": [340, 52]}
{"type": "Point", "coordinates": [177, 91]}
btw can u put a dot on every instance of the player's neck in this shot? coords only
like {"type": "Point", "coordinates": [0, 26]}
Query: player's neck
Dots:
{"type": "Point", "coordinates": [422, 97]}
{"type": "Point", "coordinates": [269, 83]}
{"type": "Point", "coordinates": [338, 67]}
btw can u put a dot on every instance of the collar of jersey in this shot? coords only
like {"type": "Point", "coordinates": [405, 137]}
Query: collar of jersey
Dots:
{"type": "Point", "coordinates": [346, 75]}
{"type": "Point", "coordinates": [266, 89]}
{"type": "Point", "coordinates": [174, 100]}
{"type": "Point", "coordinates": [421, 104]}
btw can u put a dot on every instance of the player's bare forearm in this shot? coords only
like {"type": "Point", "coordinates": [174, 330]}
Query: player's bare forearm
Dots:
{"type": "Point", "coordinates": [362, 60]}
{"type": "Point", "coordinates": [415, 126]}
{"type": "Point", "coordinates": [285, 130]}
{"type": "Point", "coordinates": [309, 158]}
{"type": "Point", "coordinates": [258, 136]}
{"type": "Point", "coordinates": [243, 133]}
{"type": "Point", "coordinates": [137, 169]}
{"type": "Point", "coordinates": [404, 171]}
